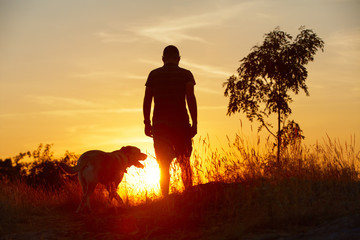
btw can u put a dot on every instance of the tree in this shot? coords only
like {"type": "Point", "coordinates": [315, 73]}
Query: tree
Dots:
{"type": "Point", "coordinates": [269, 73]}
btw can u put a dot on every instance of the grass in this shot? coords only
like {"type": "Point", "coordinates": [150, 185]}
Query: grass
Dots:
{"type": "Point", "coordinates": [238, 191]}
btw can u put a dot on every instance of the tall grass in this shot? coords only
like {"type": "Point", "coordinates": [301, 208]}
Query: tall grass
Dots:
{"type": "Point", "coordinates": [308, 184]}
{"type": "Point", "coordinates": [240, 187]}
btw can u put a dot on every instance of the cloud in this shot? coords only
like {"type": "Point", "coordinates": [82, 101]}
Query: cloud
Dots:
{"type": "Point", "coordinates": [176, 30]}
{"type": "Point", "coordinates": [208, 90]}
{"type": "Point", "coordinates": [346, 45]}
{"type": "Point", "coordinates": [72, 112]}
{"type": "Point", "coordinates": [101, 75]}
{"type": "Point", "coordinates": [166, 33]}
{"type": "Point", "coordinates": [318, 86]}
{"type": "Point", "coordinates": [135, 77]}
{"type": "Point", "coordinates": [90, 111]}
{"type": "Point", "coordinates": [172, 29]}
{"type": "Point", "coordinates": [208, 69]}
{"type": "Point", "coordinates": [151, 62]}
{"type": "Point", "coordinates": [64, 106]}
{"type": "Point", "coordinates": [212, 108]}
{"type": "Point", "coordinates": [345, 39]}
{"type": "Point", "coordinates": [107, 37]}
{"type": "Point", "coordinates": [63, 101]}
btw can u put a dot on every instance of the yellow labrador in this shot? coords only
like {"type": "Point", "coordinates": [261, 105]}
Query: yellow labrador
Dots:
{"type": "Point", "coordinates": [96, 166]}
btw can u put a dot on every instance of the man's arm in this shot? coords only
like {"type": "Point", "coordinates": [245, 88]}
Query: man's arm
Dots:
{"type": "Point", "coordinates": [191, 102]}
{"type": "Point", "coordinates": [147, 111]}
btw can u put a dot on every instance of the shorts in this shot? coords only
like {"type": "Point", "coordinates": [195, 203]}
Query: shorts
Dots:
{"type": "Point", "coordinates": [172, 142]}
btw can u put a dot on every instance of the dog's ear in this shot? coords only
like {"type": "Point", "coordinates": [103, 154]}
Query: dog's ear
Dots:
{"type": "Point", "coordinates": [126, 150]}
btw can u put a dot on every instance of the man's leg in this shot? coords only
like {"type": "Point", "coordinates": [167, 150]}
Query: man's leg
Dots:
{"type": "Point", "coordinates": [164, 176]}
{"type": "Point", "coordinates": [183, 148]}
{"type": "Point", "coordinates": [164, 155]}
{"type": "Point", "coordinates": [186, 173]}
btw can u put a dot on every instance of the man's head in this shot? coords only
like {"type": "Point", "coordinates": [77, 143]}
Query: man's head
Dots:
{"type": "Point", "coordinates": [171, 55]}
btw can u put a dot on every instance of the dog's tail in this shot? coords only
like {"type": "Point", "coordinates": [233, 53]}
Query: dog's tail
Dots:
{"type": "Point", "coordinates": [72, 170]}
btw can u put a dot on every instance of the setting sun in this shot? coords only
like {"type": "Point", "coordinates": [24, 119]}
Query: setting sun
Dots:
{"type": "Point", "coordinates": [151, 173]}
{"type": "Point", "coordinates": [139, 184]}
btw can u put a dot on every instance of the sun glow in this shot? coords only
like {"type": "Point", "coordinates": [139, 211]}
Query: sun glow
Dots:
{"type": "Point", "coordinates": [139, 184]}
{"type": "Point", "coordinates": [152, 174]}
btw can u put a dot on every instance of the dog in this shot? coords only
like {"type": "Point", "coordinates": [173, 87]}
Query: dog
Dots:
{"type": "Point", "coordinates": [107, 168]}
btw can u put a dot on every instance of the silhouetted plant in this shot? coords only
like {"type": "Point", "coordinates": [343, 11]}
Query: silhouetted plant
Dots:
{"type": "Point", "coordinates": [291, 134]}
{"type": "Point", "coordinates": [269, 73]}
{"type": "Point", "coordinates": [8, 171]}
{"type": "Point", "coordinates": [38, 168]}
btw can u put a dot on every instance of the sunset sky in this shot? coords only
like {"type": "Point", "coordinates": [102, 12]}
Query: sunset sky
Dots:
{"type": "Point", "coordinates": [72, 72]}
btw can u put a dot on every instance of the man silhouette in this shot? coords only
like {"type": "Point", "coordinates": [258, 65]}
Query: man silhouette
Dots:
{"type": "Point", "coordinates": [172, 88]}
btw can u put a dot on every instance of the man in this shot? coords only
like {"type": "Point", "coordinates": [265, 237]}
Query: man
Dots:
{"type": "Point", "coordinates": [172, 88]}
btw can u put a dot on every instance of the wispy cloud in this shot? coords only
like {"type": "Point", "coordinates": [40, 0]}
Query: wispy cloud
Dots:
{"type": "Point", "coordinates": [97, 75]}
{"type": "Point", "coordinates": [208, 90]}
{"type": "Point", "coordinates": [212, 108]}
{"type": "Point", "coordinates": [62, 101]}
{"type": "Point", "coordinates": [204, 68]}
{"type": "Point", "coordinates": [135, 77]}
{"type": "Point", "coordinates": [346, 45]}
{"type": "Point", "coordinates": [208, 69]}
{"type": "Point", "coordinates": [90, 111]}
{"type": "Point", "coordinates": [173, 29]}
{"type": "Point", "coordinates": [318, 86]}
{"type": "Point", "coordinates": [73, 112]}
{"type": "Point", "coordinates": [151, 62]}
{"type": "Point", "coordinates": [177, 30]}
{"type": "Point", "coordinates": [345, 39]}
{"type": "Point", "coordinates": [125, 37]}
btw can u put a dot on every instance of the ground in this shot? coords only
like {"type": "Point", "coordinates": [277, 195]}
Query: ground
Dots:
{"type": "Point", "coordinates": [153, 221]}
{"type": "Point", "coordinates": [127, 226]}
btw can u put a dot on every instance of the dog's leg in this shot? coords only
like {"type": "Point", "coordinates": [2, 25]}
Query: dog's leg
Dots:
{"type": "Point", "coordinates": [113, 193]}
{"type": "Point", "coordinates": [84, 200]}
{"type": "Point", "coordinates": [110, 189]}
{"type": "Point", "coordinates": [82, 182]}
{"type": "Point", "coordinates": [84, 190]}
{"type": "Point", "coordinates": [116, 194]}
{"type": "Point", "coordinates": [119, 199]}
{"type": "Point", "coordinates": [81, 205]}
{"type": "Point", "coordinates": [90, 190]}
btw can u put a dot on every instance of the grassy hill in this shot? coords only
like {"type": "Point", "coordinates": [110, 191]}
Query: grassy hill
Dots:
{"type": "Point", "coordinates": [240, 194]}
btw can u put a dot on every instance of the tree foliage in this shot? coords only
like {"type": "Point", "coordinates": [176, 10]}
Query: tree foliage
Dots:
{"type": "Point", "coordinates": [269, 73]}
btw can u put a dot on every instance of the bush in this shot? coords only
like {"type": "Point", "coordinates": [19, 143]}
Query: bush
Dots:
{"type": "Point", "coordinates": [38, 169]}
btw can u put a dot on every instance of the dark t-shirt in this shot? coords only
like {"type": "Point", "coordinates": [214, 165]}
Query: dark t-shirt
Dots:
{"type": "Point", "coordinates": [167, 84]}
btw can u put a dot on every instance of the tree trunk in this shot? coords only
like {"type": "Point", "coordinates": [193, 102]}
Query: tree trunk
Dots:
{"type": "Point", "coordinates": [279, 137]}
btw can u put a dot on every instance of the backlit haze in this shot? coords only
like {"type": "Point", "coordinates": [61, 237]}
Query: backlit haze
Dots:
{"type": "Point", "coordinates": [72, 73]}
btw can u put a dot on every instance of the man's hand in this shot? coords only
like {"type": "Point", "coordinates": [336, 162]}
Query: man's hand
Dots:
{"type": "Point", "coordinates": [191, 101]}
{"type": "Point", "coordinates": [146, 111]}
{"type": "Point", "coordinates": [148, 130]}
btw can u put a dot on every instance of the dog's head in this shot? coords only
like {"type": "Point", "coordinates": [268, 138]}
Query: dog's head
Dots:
{"type": "Point", "coordinates": [134, 155]}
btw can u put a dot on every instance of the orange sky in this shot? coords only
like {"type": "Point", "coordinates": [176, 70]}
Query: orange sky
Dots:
{"type": "Point", "coordinates": [72, 73]}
